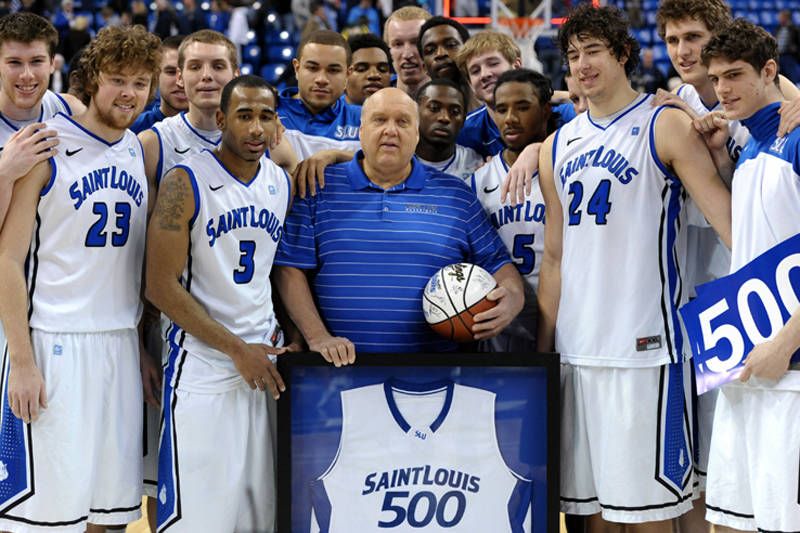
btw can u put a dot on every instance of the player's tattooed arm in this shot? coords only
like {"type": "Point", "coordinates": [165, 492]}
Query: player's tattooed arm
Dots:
{"type": "Point", "coordinates": [167, 254]}
{"type": "Point", "coordinates": [26, 389]}
{"type": "Point", "coordinates": [295, 291]}
{"type": "Point", "coordinates": [680, 146]}
{"type": "Point", "coordinates": [549, 291]}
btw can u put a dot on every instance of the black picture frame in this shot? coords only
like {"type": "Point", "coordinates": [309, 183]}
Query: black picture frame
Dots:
{"type": "Point", "coordinates": [307, 421]}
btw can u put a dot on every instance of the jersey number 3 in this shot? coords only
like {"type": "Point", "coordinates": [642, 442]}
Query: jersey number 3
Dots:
{"type": "Point", "coordinates": [247, 265]}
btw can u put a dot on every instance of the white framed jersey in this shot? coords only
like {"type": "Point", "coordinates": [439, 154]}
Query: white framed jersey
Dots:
{"type": "Point", "coordinates": [622, 216]}
{"type": "Point", "coordinates": [177, 139]}
{"type": "Point", "coordinates": [85, 264]}
{"type": "Point", "coordinates": [52, 103]}
{"type": "Point", "coordinates": [521, 228]}
{"type": "Point", "coordinates": [417, 456]}
{"type": "Point", "coordinates": [464, 162]}
{"type": "Point", "coordinates": [234, 233]}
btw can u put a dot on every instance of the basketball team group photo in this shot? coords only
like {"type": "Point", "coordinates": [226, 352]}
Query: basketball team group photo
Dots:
{"type": "Point", "coordinates": [350, 266]}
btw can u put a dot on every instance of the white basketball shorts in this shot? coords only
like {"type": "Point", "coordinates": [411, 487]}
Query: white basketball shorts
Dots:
{"type": "Point", "coordinates": [81, 461]}
{"type": "Point", "coordinates": [216, 467]}
{"type": "Point", "coordinates": [755, 457]}
{"type": "Point", "coordinates": [626, 445]}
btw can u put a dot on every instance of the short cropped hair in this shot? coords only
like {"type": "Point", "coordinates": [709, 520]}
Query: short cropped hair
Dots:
{"type": "Point", "coordinates": [442, 21]}
{"type": "Point", "coordinates": [742, 40]}
{"type": "Point", "coordinates": [487, 41]}
{"type": "Point", "coordinates": [360, 41]}
{"type": "Point", "coordinates": [326, 37]}
{"type": "Point", "coordinates": [541, 83]}
{"type": "Point", "coordinates": [605, 23]}
{"type": "Point", "coordinates": [443, 82]}
{"type": "Point", "coordinates": [209, 37]}
{"type": "Point", "coordinates": [404, 14]}
{"type": "Point", "coordinates": [173, 42]}
{"type": "Point", "coordinates": [118, 49]}
{"type": "Point", "coordinates": [26, 28]}
{"type": "Point", "coordinates": [715, 14]}
{"type": "Point", "coordinates": [248, 81]}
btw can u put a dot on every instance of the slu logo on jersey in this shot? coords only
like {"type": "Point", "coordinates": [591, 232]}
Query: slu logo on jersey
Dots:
{"type": "Point", "coordinates": [243, 217]}
{"type": "Point", "coordinates": [132, 152]}
{"type": "Point", "coordinates": [3, 471]}
{"type": "Point", "coordinates": [162, 495]}
{"type": "Point", "coordinates": [106, 178]}
{"type": "Point", "coordinates": [420, 434]}
{"type": "Point", "coordinates": [515, 213]}
{"type": "Point", "coordinates": [616, 164]}
{"type": "Point", "coordinates": [635, 130]}
{"type": "Point", "coordinates": [346, 132]}
{"type": "Point", "coordinates": [778, 145]}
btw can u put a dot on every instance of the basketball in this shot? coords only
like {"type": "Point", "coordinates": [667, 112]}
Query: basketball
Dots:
{"type": "Point", "coordinates": [453, 296]}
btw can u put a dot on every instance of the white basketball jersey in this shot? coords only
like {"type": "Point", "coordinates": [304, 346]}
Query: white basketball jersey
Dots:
{"type": "Point", "coordinates": [178, 140]}
{"type": "Point", "coordinates": [521, 227]}
{"type": "Point", "coordinates": [85, 260]}
{"type": "Point", "coordinates": [52, 103]}
{"type": "Point", "coordinates": [620, 285]}
{"type": "Point", "coordinates": [707, 257]}
{"type": "Point", "coordinates": [305, 144]}
{"type": "Point", "coordinates": [463, 164]}
{"type": "Point", "coordinates": [419, 457]}
{"type": "Point", "coordinates": [234, 234]}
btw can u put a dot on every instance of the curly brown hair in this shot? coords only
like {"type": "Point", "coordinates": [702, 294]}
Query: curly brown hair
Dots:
{"type": "Point", "coordinates": [605, 23]}
{"type": "Point", "coordinates": [742, 40]}
{"type": "Point", "coordinates": [121, 49]}
{"type": "Point", "coordinates": [26, 27]}
{"type": "Point", "coordinates": [715, 14]}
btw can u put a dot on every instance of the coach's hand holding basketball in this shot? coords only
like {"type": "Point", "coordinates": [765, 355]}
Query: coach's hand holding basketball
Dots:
{"type": "Point", "coordinates": [490, 323]}
{"type": "Point", "coordinates": [254, 365]}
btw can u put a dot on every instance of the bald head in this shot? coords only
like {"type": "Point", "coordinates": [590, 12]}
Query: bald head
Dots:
{"type": "Point", "coordinates": [385, 96]}
{"type": "Point", "coordinates": [389, 134]}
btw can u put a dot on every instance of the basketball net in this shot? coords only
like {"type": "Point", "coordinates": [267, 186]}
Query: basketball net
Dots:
{"type": "Point", "coordinates": [524, 32]}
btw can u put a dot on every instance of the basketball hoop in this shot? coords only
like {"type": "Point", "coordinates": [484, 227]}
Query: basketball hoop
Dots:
{"type": "Point", "coordinates": [519, 27]}
{"type": "Point", "coordinates": [524, 30]}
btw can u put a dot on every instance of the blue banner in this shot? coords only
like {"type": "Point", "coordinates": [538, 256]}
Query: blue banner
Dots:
{"type": "Point", "coordinates": [732, 314]}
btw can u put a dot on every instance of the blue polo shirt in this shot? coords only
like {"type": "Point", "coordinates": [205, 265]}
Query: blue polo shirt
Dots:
{"type": "Point", "coordinates": [373, 250]}
{"type": "Point", "coordinates": [481, 134]}
{"type": "Point", "coordinates": [333, 128]}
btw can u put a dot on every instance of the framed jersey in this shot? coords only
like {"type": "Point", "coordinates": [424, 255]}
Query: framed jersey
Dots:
{"type": "Point", "coordinates": [419, 442]}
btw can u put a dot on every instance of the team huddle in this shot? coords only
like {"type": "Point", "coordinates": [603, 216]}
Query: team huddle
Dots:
{"type": "Point", "coordinates": [150, 281]}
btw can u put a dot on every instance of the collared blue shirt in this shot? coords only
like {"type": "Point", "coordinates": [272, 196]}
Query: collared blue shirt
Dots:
{"type": "Point", "coordinates": [147, 118]}
{"type": "Point", "coordinates": [481, 134]}
{"type": "Point", "coordinates": [372, 251]}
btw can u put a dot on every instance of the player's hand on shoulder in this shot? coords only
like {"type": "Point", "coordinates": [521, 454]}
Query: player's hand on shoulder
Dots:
{"type": "Point", "coordinates": [26, 392]}
{"type": "Point", "coordinates": [490, 323]}
{"type": "Point", "coordinates": [768, 361]}
{"type": "Point", "coordinates": [311, 171]}
{"type": "Point", "coordinates": [519, 180]}
{"type": "Point", "coordinates": [253, 363]}
{"type": "Point", "coordinates": [25, 149]}
{"type": "Point", "coordinates": [790, 116]}
{"type": "Point", "coordinates": [663, 97]}
{"type": "Point", "coordinates": [714, 129]}
{"type": "Point", "coordinates": [337, 350]}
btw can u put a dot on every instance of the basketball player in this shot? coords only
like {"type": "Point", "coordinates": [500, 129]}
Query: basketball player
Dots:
{"type": "Point", "coordinates": [401, 33]}
{"type": "Point", "coordinates": [575, 94]}
{"type": "Point", "coordinates": [217, 222]}
{"type": "Point", "coordinates": [384, 215]}
{"type": "Point", "coordinates": [314, 115]}
{"type": "Point", "coordinates": [522, 110]}
{"type": "Point", "coordinates": [170, 88]}
{"type": "Point", "coordinates": [27, 47]}
{"type": "Point", "coordinates": [754, 485]}
{"type": "Point", "coordinates": [442, 104]}
{"type": "Point", "coordinates": [440, 39]}
{"type": "Point", "coordinates": [370, 68]}
{"type": "Point", "coordinates": [73, 446]}
{"type": "Point", "coordinates": [609, 288]}
{"type": "Point", "coordinates": [482, 59]}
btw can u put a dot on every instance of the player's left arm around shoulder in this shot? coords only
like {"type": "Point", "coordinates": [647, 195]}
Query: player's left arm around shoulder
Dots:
{"type": "Point", "coordinates": [680, 147]}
